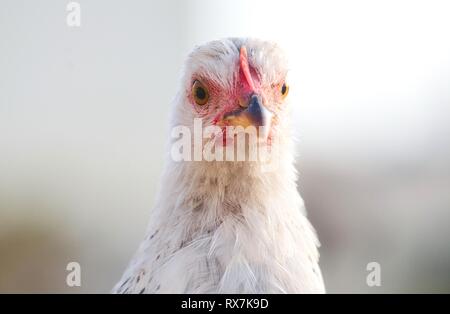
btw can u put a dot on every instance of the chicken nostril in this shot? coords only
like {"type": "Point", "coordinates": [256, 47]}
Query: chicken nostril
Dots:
{"type": "Point", "coordinates": [243, 103]}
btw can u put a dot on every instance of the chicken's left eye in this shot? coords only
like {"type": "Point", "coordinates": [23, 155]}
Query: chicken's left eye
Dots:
{"type": "Point", "coordinates": [284, 90]}
{"type": "Point", "coordinates": [200, 93]}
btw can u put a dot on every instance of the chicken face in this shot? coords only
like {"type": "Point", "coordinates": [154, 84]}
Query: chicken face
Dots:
{"type": "Point", "coordinates": [237, 83]}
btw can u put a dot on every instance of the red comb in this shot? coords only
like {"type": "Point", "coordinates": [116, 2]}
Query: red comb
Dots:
{"type": "Point", "coordinates": [244, 67]}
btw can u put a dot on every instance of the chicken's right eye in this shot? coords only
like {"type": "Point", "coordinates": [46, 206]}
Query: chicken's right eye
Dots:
{"type": "Point", "coordinates": [200, 93]}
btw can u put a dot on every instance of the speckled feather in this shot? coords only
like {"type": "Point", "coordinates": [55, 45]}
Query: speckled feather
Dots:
{"type": "Point", "coordinates": [227, 227]}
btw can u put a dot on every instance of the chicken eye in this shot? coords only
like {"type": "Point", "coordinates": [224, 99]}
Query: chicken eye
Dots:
{"type": "Point", "coordinates": [284, 90]}
{"type": "Point", "coordinates": [200, 93]}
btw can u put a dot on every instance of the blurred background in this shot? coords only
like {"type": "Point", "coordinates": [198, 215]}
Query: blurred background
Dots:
{"type": "Point", "coordinates": [84, 115]}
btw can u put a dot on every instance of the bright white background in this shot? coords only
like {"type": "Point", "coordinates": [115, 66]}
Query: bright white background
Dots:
{"type": "Point", "coordinates": [83, 122]}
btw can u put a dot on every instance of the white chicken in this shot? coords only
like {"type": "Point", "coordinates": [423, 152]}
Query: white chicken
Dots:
{"type": "Point", "coordinates": [230, 226]}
